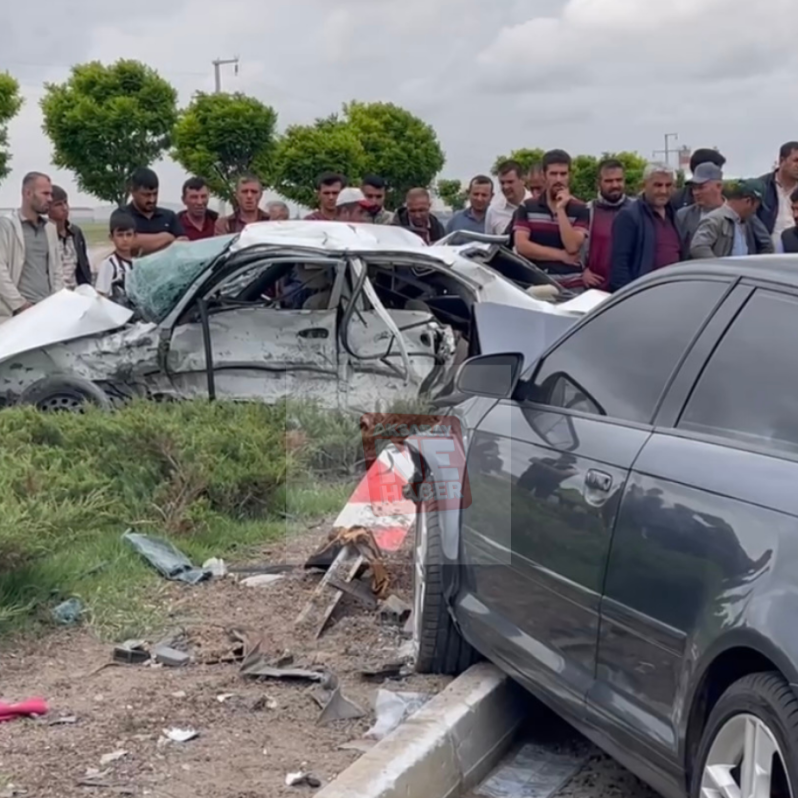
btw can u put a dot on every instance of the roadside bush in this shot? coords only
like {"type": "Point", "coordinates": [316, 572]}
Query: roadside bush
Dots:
{"type": "Point", "coordinates": [168, 466]}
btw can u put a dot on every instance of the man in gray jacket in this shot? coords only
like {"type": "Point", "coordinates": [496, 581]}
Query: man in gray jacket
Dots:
{"type": "Point", "coordinates": [30, 260]}
{"type": "Point", "coordinates": [707, 186]}
{"type": "Point", "coordinates": [733, 229]}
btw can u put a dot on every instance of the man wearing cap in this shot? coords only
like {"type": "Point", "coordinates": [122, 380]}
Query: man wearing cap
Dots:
{"type": "Point", "coordinates": [707, 186]}
{"type": "Point", "coordinates": [71, 242]}
{"type": "Point", "coordinates": [732, 230]}
{"type": "Point", "coordinates": [684, 196]}
{"type": "Point", "coordinates": [352, 206]}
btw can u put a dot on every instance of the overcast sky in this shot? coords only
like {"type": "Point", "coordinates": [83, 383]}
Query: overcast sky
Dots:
{"type": "Point", "coordinates": [586, 75]}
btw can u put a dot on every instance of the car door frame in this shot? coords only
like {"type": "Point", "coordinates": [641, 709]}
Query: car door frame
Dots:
{"type": "Point", "coordinates": [220, 271]}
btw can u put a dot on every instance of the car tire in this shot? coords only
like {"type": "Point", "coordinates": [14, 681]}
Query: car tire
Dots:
{"type": "Point", "coordinates": [439, 646]}
{"type": "Point", "coordinates": [64, 392]}
{"type": "Point", "coordinates": [758, 713]}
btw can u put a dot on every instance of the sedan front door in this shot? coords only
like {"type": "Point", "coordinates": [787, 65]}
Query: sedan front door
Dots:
{"type": "Point", "coordinates": [259, 350]}
{"type": "Point", "coordinates": [547, 471]}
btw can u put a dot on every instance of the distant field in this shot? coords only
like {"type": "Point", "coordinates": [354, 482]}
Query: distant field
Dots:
{"type": "Point", "coordinates": [96, 232]}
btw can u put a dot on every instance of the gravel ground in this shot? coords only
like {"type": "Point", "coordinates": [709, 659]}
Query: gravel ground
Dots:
{"type": "Point", "coordinates": [247, 743]}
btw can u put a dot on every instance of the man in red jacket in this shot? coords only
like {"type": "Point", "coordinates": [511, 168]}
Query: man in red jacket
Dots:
{"type": "Point", "coordinates": [610, 200]}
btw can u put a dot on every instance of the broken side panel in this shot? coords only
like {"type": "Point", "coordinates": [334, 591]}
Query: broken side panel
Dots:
{"type": "Point", "coordinates": [375, 373]}
{"type": "Point", "coordinates": [259, 353]}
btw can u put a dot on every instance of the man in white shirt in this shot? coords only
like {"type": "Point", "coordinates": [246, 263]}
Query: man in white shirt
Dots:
{"type": "Point", "coordinates": [775, 210]}
{"type": "Point", "coordinates": [513, 192]}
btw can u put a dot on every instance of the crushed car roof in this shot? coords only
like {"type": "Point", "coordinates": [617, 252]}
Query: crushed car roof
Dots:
{"type": "Point", "coordinates": [332, 236]}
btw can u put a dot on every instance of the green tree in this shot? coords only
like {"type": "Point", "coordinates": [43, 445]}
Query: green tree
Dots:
{"type": "Point", "coordinates": [525, 157]}
{"type": "Point", "coordinates": [106, 121]}
{"type": "Point", "coordinates": [10, 103]}
{"type": "Point", "coordinates": [306, 151]}
{"type": "Point", "coordinates": [452, 193]}
{"type": "Point", "coordinates": [220, 136]}
{"type": "Point", "coordinates": [399, 146]}
{"type": "Point", "coordinates": [584, 176]}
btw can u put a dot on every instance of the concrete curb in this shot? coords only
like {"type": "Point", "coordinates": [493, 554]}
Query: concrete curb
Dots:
{"type": "Point", "coordinates": [445, 748]}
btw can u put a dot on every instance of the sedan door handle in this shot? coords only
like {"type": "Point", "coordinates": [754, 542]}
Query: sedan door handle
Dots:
{"type": "Point", "coordinates": [598, 480]}
{"type": "Point", "coordinates": [314, 332]}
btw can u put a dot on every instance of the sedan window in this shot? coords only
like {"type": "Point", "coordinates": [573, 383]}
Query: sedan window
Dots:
{"type": "Point", "coordinates": [619, 362]}
{"type": "Point", "coordinates": [747, 390]}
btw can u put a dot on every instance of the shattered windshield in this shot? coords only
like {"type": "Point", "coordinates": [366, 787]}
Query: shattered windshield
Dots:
{"type": "Point", "coordinates": [157, 281]}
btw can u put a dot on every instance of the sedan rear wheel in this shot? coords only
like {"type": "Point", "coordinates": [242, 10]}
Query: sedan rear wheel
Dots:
{"type": "Point", "coordinates": [749, 746]}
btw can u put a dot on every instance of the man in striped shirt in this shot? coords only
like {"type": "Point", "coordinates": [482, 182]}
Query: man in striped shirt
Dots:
{"type": "Point", "coordinates": [551, 229]}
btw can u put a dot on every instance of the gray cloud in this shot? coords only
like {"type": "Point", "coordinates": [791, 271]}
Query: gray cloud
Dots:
{"type": "Point", "coordinates": [588, 75]}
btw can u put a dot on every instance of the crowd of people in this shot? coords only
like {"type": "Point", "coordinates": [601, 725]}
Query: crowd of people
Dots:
{"type": "Point", "coordinates": [604, 243]}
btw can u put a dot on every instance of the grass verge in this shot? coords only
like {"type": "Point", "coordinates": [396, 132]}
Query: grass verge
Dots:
{"type": "Point", "coordinates": [218, 479]}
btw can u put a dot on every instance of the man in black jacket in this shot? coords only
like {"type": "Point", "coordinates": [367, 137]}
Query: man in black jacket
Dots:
{"type": "Point", "coordinates": [415, 215]}
{"type": "Point", "coordinates": [775, 210]}
{"type": "Point", "coordinates": [684, 196]}
{"type": "Point", "coordinates": [71, 242]}
{"type": "Point", "coordinates": [644, 234]}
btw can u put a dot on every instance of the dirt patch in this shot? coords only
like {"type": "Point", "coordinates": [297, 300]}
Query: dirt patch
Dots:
{"type": "Point", "coordinates": [247, 742]}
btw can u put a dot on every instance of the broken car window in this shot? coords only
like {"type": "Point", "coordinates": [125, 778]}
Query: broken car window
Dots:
{"type": "Point", "coordinates": [159, 280]}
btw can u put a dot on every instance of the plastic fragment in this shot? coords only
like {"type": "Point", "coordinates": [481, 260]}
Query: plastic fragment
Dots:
{"type": "Point", "coordinates": [69, 612]}
{"type": "Point", "coordinates": [166, 558]}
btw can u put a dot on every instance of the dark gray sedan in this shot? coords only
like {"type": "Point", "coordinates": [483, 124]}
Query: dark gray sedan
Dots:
{"type": "Point", "coordinates": [629, 550]}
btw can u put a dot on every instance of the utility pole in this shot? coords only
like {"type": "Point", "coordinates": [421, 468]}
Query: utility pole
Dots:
{"type": "Point", "coordinates": [217, 70]}
{"type": "Point", "coordinates": [668, 150]}
{"type": "Point", "coordinates": [217, 79]}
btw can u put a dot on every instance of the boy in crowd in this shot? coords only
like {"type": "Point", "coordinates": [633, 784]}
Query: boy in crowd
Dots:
{"type": "Point", "coordinates": [115, 268]}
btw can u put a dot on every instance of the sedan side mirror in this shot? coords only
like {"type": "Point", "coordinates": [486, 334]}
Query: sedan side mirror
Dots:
{"type": "Point", "coordinates": [494, 376]}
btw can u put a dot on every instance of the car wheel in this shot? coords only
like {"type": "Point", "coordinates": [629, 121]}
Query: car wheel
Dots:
{"type": "Point", "coordinates": [61, 392]}
{"type": "Point", "coordinates": [439, 646]}
{"type": "Point", "coordinates": [749, 748]}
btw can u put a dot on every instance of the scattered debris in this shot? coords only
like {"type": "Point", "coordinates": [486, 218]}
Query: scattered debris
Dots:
{"type": "Point", "coordinates": [336, 706]}
{"type": "Point", "coordinates": [261, 580]}
{"type": "Point", "coordinates": [263, 702]}
{"type": "Point", "coordinates": [216, 567]}
{"type": "Point", "coordinates": [222, 697]}
{"type": "Point", "coordinates": [69, 612]}
{"type": "Point", "coordinates": [364, 542]}
{"type": "Point", "coordinates": [391, 709]}
{"type": "Point", "coordinates": [263, 671]}
{"type": "Point", "coordinates": [114, 756]}
{"type": "Point", "coordinates": [180, 735]}
{"type": "Point", "coordinates": [394, 610]}
{"type": "Point", "coordinates": [358, 590]}
{"type": "Point", "coordinates": [319, 609]}
{"type": "Point", "coordinates": [281, 568]}
{"type": "Point", "coordinates": [66, 720]}
{"type": "Point", "coordinates": [536, 771]}
{"type": "Point", "coordinates": [170, 657]}
{"type": "Point", "coordinates": [302, 779]}
{"type": "Point", "coordinates": [358, 745]}
{"type": "Point", "coordinates": [131, 652]}
{"type": "Point", "coordinates": [391, 670]}
{"type": "Point", "coordinates": [12, 791]}
{"type": "Point", "coordinates": [179, 694]}
{"type": "Point", "coordinates": [32, 708]}
{"type": "Point", "coordinates": [169, 561]}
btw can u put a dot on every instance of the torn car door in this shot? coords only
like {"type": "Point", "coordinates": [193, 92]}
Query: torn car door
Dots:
{"type": "Point", "coordinates": [259, 350]}
{"type": "Point", "coordinates": [387, 355]}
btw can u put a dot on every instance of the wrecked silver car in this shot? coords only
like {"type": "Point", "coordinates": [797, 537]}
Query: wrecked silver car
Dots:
{"type": "Point", "coordinates": [354, 316]}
